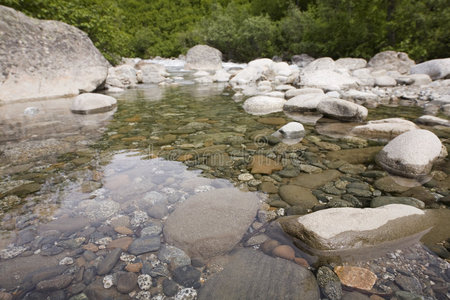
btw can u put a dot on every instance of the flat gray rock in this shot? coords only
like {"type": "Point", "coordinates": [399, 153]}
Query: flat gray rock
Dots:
{"type": "Point", "coordinates": [91, 103]}
{"type": "Point", "coordinates": [351, 228]}
{"type": "Point", "coordinates": [262, 105]}
{"type": "Point", "coordinates": [435, 68]}
{"type": "Point", "coordinates": [53, 59]}
{"type": "Point", "coordinates": [211, 223]}
{"type": "Point", "coordinates": [251, 274]}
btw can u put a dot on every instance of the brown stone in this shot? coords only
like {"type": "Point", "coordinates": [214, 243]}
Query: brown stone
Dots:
{"type": "Point", "coordinates": [388, 184]}
{"type": "Point", "coordinates": [355, 156]}
{"type": "Point", "coordinates": [301, 261]}
{"type": "Point", "coordinates": [284, 251]}
{"type": "Point", "coordinates": [356, 277]}
{"type": "Point", "coordinates": [272, 121]}
{"type": "Point", "coordinates": [122, 243]}
{"type": "Point", "coordinates": [263, 165]}
{"type": "Point", "coordinates": [185, 157]}
{"type": "Point", "coordinates": [90, 247]}
{"type": "Point", "coordinates": [123, 230]}
{"type": "Point", "coordinates": [5, 296]}
{"type": "Point", "coordinates": [268, 187]}
{"type": "Point", "coordinates": [376, 297]}
{"type": "Point", "coordinates": [421, 193]}
{"type": "Point", "coordinates": [313, 181]}
{"type": "Point", "coordinates": [135, 268]}
{"type": "Point", "coordinates": [268, 246]}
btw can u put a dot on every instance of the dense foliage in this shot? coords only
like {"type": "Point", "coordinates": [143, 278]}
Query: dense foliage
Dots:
{"type": "Point", "coordinates": [246, 29]}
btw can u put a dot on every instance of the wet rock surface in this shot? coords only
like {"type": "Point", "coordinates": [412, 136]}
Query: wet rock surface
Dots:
{"type": "Point", "coordinates": [241, 279]}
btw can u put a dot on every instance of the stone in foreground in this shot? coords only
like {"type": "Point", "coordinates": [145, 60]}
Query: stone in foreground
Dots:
{"type": "Point", "coordinates": [350, 228]}
{"type": "Point", "coordinates": [411, 154]}
{"type": "Point", "coordinates": [356, 277]}
{"type": "Point", "coordinates": [211, 223]}
{"type": "Point", "coordinates": [251, 274]}
{"type": "Point", "coordinates": [91, 103]}
{"type": "Point", "coordinates": [50, 59]}
{"type": "Point", "coordinates": [262, 105]}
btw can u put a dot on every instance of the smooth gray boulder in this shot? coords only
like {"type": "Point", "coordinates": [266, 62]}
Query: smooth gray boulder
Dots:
{"type": "Point", "coordinates": [391, 61]}
{"type": "Point", "coordinates": [211, 223]}
{"type": "Point", "coordinates": [262, 105]}
{"type": "Point", "coordinates": [432, 121]}
{"type": "Point", "coordinates": [342, 110]}
{"type": "Point", "coordinates": [292, 130]}
{"type": "Point", "coordinates": [90, 103]}
{"type": "Point", "coordinates": [203, 57]}
{"type": "Point", "coordinates": [436, 68]}
{"type": "Point", "coordinates": [350, 228]}
{"type": "Point", "coordinates": [411, 154]}
{"type": "Point", "coordinates": [251, 274]}
{"type": "Point", "coordinates": [46, 59]}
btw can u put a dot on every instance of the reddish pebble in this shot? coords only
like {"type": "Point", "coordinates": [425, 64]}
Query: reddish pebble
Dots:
{"type": "Point", "coordinates": [123, 230]}
{"type": "Point", "coordinates": [90, 247]}
{"type": "Point", "coordinates": [284, 251]}
{"type": "Point", "coordinates": [301, 261]}
{"type": "Point", "coordinates": [135, 268]}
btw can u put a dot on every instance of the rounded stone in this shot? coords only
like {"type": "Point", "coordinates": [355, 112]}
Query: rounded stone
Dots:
{"type": "Point", "coordinates": [262, 105]}
{"type": "Point", "coordinates": [284, 251]}
{"type": "Point", "coordinates": [90, 103]}
{"type": "Point", "coordinates": [127, 282]}
{"type": "Point", "coordinates": [411, 154]}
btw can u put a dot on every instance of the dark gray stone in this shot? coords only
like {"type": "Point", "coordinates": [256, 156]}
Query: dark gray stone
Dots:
{"type": "Point", "coordinates": [170, 288]}
{"type": "Point", "coordinates": [354, 296]}
{"type": "Point", "coordinates": [127, 282]}
{"type": "Point", "coordinates": [144, 245]}
{"type": "Point", "coordinates": [96, 291]}
{"type": "Point", "coordinates": [408, 283]}
{"type": "Point", "coordinates": [109, 262]}
{"type": "Point", "coordinates": [329, 283]}
{"type": "Point", "coordinates": [251, 274]}
{"type": "Point", "coordinates": [59, 282]}
{"type": "Point", "coordinates": [187, 276]}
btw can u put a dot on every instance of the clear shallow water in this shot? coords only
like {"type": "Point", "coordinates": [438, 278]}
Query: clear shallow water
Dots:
{"type": "Point", "coordinates": [61, 194]}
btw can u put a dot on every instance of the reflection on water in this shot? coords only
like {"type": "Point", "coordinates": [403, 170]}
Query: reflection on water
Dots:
{"type": "Point", "coordinates": [78, 186]}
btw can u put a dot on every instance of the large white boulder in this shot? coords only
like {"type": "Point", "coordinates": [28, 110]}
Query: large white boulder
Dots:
{"type": "Point", "coordinates": [323, 63]}
{"type": "Point", "coordinates": [246, 76]}
{"type": "Point", "coordinates": [123, 76]}
{"type": "Point", "coordinates": [342, 110]}
{"type": "Point", "coordinates": [411, 154]}
{"type": "Point", "coordinates": [391, 61]}
{"type": "Point", "coordinates": [262, 105]}
{"type": "Point", "coordinates": [436, 68]}
{"type": "Point", "coordinates": [221, 76]}
{"type": "Point", "coordinates": [203, 57]}
{"type": "Point", "coordinates": [151, 72]}
{"type": "Point", "coordinates": [384, 129]}
{"type": "Point", "coordinates": [327, 79]}
{"type": "Point", "coordinates": [350, 228]}
{"type": "Point", "coordinates": [45, 59]}
{"type": "Point", "coordinates": [351, 64]}
{"type": "Point", "coordinates": [211, 223]}
{"type": "Point", "coordinates": [90, 103]}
